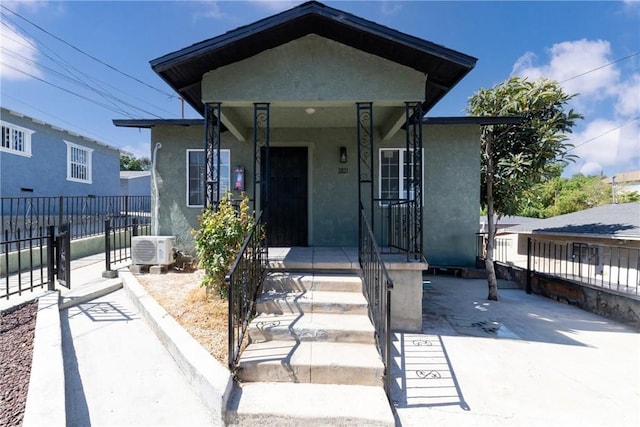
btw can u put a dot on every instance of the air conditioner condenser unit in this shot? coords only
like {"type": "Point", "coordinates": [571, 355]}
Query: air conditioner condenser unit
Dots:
{"type": "Point", "coordinates": [152, 250]}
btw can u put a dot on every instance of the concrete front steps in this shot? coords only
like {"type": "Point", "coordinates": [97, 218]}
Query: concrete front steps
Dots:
{"type": "Point", "coordinates": [311, 358]}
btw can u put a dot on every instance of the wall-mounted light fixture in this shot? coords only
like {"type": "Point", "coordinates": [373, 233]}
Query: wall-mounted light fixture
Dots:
{"type": "Point", "coordinates": [343, 154]}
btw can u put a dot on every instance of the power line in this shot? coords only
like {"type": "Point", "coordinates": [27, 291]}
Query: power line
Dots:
{"type": "Point", "coordinates": [605, 133]}
{"type": "Point", "coordinates": [85, 85]}
{"type": "Point", "coordinates": [601, 67]}
{"type": "Point", "coordinates": [103, 105]}
{"type": "Point", "coordinates": [89, 55]}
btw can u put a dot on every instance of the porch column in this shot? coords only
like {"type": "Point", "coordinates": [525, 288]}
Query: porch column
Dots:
{"type": "Point", "coordinates": [365, 162]}
{"type": "Point", "coordinates": [261, 165]}
{"type": "Point", "coordinates": [413, 177]}
{"type": "Point", "coordinates": [212, 155]}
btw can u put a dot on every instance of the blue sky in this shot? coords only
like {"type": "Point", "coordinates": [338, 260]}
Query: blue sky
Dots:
{"type": "Point", "coordinates": [572, 42]}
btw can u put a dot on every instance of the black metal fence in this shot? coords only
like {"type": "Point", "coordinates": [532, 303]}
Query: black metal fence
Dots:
{"type": "Point", "coordinates": [245, 280]}
{"type": "Point", "coordinates": [38, 260]}
{"type": "Point", "coordinates": [377, 290]}
{"type": "Point", "coordinates": [85, 214]}
{"type": "Point", "coordinates": [117, 237]}
{"type": "Point", "coordinates": [605, 266]}
{"type": "Point", "coordinates": [395, 228]}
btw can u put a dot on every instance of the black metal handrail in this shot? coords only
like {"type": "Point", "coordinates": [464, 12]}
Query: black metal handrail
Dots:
{"type": "Point", "coordinates": [244, 281]}
{"type": "Point", "coordinates": [377, 291]}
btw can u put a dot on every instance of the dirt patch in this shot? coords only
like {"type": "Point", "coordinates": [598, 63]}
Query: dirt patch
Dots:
{"type": "Point", "coordinates": [17, 330]}
{"type": "Point", "coordinates": [204, 317]}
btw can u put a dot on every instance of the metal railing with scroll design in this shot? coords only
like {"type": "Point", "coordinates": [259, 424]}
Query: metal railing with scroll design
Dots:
{"type": "Point", "coordinates": [377, 291]}
{"type": "Point", "coordinates": [244, 281]}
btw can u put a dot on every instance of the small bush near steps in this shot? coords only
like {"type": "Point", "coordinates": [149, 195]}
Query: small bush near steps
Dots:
{"type": "Point", "coordinates": [219, 240]}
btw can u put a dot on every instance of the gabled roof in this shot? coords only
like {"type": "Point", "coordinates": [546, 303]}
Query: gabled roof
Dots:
{"type": "Point", "coordinates": [621, 221]}
{"type": "Point", "coordinates": [183, 69]}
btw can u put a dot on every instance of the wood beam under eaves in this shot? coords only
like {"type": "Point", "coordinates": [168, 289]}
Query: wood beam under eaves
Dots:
{"type": "Point", "coordinates": [393, 124]}
{"type": "Point", "coordinates": [234, 124]}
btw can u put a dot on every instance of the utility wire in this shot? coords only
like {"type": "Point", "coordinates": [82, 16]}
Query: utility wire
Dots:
{"type": "Point", "coordinates": [97, 137]}
{"type": "Point", "coordinates": [89, 55]}
{"type": "Point", "coordinates": [601, 67]}
{"type": "Point", "coordinates": [103, 105]}
{"type": "Point", "coordinates": [83, 84]}
{"type": "Point", "coordinates": [604, 133]}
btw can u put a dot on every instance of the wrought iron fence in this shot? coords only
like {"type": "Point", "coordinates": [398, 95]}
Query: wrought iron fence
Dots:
{"type": "Point", "coordinates": [395, 229]}
{"type": "Point", "coordinates": [501, 248]}
{"type": "Point", "coordinates": [28, 255]}
{"type": "Point", "coordinates": [606, 266]}
{"type": "Point", "coordinates": [377, 290]}
{"type": "Point", "coordinates": [117, 237]}
{"type": "Point", "coordinates": [84, 214]}
{"type": "Point", "coordinates": [245, 280]}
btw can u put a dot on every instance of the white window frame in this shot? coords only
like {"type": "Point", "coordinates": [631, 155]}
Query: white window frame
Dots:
{"type": "Point", "coordinates": [25, 151]}
{"type": "Point", "coordinates": [225, 179]}
{"type": "Point", "coordinates": [401, 190]}
{"type": "Point", "coordinates": [87, 164]}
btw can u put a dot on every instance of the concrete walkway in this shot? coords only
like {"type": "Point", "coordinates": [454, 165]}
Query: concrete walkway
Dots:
{"type": "Point", "coordinates": [117, 373]}
{"type": "Point", "coordinates": [523, 361]}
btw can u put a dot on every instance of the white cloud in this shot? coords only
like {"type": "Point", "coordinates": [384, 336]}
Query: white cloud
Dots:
{"type": "Point", "coordinates": [390, 7]}
{"type": "Point", "coordinates": [570, 59]}
{"type": "Point", "coordinates": [607, 98]}
{"type": "Point", "coordinates": [628, 92]}
{"type": "Point", "coordinates": [276, 5]}
{"type": "Point", "coordinates": [605, 146]}
{"type": "Point", "coordinates": [16, 51]}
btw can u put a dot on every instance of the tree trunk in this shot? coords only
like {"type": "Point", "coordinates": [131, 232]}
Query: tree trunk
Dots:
{"type": "Point", "coordinates": [491, 271]}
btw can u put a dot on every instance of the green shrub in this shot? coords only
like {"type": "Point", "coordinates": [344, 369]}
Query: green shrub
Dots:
{"type": "Point", "coordinates": [219, 240]}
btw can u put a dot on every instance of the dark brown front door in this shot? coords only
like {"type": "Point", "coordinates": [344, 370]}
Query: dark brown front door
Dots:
{"type": "Point", "coordinates": [287, 199]}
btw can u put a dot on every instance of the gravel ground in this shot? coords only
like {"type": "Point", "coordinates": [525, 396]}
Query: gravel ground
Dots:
{"type": "Point", "coordinates": [17, 330]}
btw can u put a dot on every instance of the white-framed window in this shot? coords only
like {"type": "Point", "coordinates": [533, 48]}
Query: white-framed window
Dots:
{"type": "Point", "coordinates": [394, 166]}
{"type": "Point", "coordinates": [16, 139]}
{"type": "Point", "coordinates": [196, 179]}
{"type": "Point", "coordinates": [79, 163]}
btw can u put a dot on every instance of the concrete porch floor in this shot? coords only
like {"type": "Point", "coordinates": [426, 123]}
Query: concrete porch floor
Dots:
{"type": "Point", "coordinates": [314, 258]}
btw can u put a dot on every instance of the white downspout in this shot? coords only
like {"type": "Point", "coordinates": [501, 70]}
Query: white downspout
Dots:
{"type": "Point", "coordinates": [155, 187]}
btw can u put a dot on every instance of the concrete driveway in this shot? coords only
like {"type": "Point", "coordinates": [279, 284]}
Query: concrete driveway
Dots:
{"type": "Point", "coordinates": [522, 361]}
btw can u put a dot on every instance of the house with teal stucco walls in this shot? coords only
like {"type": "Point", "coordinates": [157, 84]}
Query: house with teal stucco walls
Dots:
{"type": "Point", "coordinates": [312, 113]}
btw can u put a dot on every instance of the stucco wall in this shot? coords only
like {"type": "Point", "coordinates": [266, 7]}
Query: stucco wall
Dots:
{"type": "Point", "coordinates": [45, 172]}
{"type": "Point", "coordinates": [452, 161]}
{"type": "Point", "coordinates": [452, 193]}
{"type": "Point", "coordinates": [313, 68]}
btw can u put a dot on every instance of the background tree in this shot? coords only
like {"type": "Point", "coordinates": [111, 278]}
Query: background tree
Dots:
{"type": "Point", "coordinates": [559, 196]}
{"type": "Point", "coordinates": [131, 163]}
{"type": "Point", "coordinates": [515, 157]}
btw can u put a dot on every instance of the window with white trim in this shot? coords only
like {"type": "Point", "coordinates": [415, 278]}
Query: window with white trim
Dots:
{"type": "Point", "coordinates": [15, 139]}
{"type": "Point", "coordinates": [392, 183]}
{"type": "Point", "coordinates": [196, 179]}
{"type": "Point", "coordinates": [79, 163]}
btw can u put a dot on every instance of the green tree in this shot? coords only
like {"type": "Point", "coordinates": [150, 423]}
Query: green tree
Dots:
{"type": "Point", "coordinates": [515, 157]}
{"type": "Point", "coordinates": [131, 163]}
{"type": "Point", "coordinates": [559, 196]}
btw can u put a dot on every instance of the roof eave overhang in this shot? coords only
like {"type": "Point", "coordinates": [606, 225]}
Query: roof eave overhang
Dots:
{"type": "Point", "coordinates": [183, 69]}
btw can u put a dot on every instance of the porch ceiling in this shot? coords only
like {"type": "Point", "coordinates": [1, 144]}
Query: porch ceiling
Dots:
{"type": "Point", "coordinates": [239, 119]}
{"type": "Point", "coordinates": [183, 70]}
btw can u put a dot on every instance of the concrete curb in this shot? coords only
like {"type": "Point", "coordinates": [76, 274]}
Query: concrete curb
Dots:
{"type": "Point", "coordinates": [211, 381]}
{"type": "Point", "coordinates": [46, 395]}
